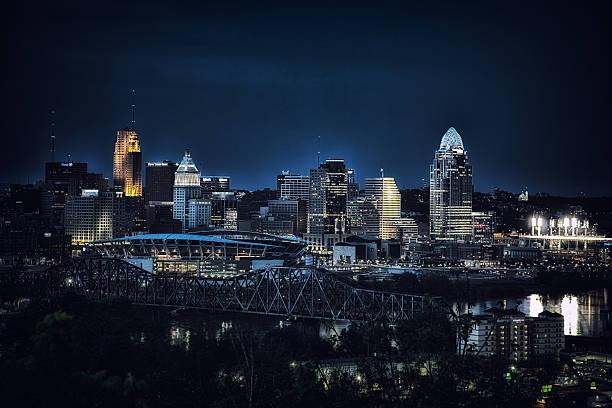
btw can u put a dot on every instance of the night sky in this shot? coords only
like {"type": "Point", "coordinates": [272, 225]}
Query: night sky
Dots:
{"type": "Point", "coordinates": [249, 87]}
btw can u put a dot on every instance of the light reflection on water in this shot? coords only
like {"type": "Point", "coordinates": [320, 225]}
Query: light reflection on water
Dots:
{"type": "Point", "coordinates": [582, 311]}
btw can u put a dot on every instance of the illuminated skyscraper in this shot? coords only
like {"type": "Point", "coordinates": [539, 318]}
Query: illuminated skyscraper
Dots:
{"type": "Point", "coordinates": [328, 198]}
{"type": "Point", "coordinates": [389, 204]}
{"type": "Point", "coordinates": [186, 187]}
{"type": "Point", "coordinates": [450, 192]}
{"type": "Point", "coordinates": [363, 216]}
{"type": "Point", "coordinates": [214, 184]}
{"type": "Point", "coordinates": [292, 186]}
{"type": "Point", "coordinates": [327, 205]}
{"type": "Point", "coordinates": [127, 164]}
{"type": "Point", "coordinates": [94, 215]}
{"type": "Point", "coordinates": [353, 187]}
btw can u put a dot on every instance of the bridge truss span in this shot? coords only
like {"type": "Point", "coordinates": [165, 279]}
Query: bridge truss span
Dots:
{"type": "Point", "coordinates": [300, 292]}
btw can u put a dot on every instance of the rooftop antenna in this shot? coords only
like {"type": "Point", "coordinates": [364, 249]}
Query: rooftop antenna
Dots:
{"type": "Point", "coordinates": [52, 135]}
{"type": "Point", "coordinates": [69, 158]}
{"type": "Point", "coordinates": [382, 173]}
{"type": "Point", "coordinates": [133, 111]}
{"type": "Point", "coordinates": [319, 151]}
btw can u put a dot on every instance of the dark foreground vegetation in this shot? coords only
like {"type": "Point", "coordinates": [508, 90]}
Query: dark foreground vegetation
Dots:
{"type": "Point", "coordinates": [71, 352]}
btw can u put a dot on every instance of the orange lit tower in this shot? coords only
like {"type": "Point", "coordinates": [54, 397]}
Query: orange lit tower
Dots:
{"type": "Point", "coordinates": [127, 164]}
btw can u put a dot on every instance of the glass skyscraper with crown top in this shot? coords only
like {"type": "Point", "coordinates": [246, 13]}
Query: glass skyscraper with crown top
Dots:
{"type": "Point", "coordinates": [450, 191]}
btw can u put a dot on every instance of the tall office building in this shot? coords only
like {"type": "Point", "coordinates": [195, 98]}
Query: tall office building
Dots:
{"type": "Point", "coordinates": [94, 215]}
{"type": "Point", "coordinates": [199, 213]}
{"type": "Point", "coordinates": [292, 186]}
{"type": "Point", "coordinates": [71, 174]}
{"type": "Point", "coordinates": [186, 187]}
{"type": "Point", "coordinates": [62, 179]}
{"type": "Point", "coordinates": [127, 164]}
{"type": "Point", "coordinates": [95, 181]}
{"type": "Point", "coordinates": [389, 207]}
{"type": "Point", "coordinates": [284, 217]}
{"type": "Point", "coordinates": [407, 230]}
{"type": "Point", "coordinates": [353, 187]}
{"type": "Point", "coordinates": [160, 181]}
{"type": "Point", "coordinates": [328, 198]}
{"type": "Point", "coordinates": [224, 213]}
{"type": "Point", "coordinates": [363, 216]}
{"type": "Point", "coordinates": [450, 192]}
{"type": "Point", "coordinates": [484, 226]}
{"type": "Point", "coordinates": [214, 184]}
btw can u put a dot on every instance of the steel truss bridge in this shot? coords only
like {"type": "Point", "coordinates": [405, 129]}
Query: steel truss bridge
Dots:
{"type": "Point", "coordinates": [292, 292]}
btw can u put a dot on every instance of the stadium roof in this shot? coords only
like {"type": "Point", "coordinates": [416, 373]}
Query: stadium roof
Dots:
{"type": "Point", "coordinates": [187, 237]}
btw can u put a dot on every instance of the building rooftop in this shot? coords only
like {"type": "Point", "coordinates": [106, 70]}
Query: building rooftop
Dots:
{"type": "Point", "coordinates": [187, 165]}
{"type": "Point", "coordinates": [451, 140]}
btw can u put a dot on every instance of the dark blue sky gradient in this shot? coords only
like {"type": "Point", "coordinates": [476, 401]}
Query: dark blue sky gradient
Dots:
{"type": "Point", "coordinates": [249, 87]}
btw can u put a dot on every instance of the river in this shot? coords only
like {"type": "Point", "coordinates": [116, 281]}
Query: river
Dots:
{"type": "Point", "coordinates": [586, 312]}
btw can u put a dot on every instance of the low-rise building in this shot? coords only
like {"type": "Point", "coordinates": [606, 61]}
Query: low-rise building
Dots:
{"type": "Point", "coordinates": [511, 335]}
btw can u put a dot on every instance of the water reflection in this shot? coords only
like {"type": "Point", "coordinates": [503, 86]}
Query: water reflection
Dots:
{"type": "Point", "coordinates": [569, 310]}
{"type": "Point", "coordinates": [584, 312]}
{"type": "Point", "coordinates": [180, 336]}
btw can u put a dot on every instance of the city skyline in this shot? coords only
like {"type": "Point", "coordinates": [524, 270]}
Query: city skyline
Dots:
{"type": "Point", "coordinates": [361, 178]}
{"type": "Point", "coordinates": [377, 97]}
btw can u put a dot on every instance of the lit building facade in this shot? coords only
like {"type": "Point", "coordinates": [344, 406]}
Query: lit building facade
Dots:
{"type": "Point", "coordinates": [328, 198]}
{"type": "Point", "coordinates": [199, 213]}
{"type": "Point", "coordinates": [407, 230]}
{"type": "Point", "coordinates": [511, 335]}
{"type": "Point", "coordinates": [224, 213]}
{"type": "Point", "coordinates": [93, 216]}
{"type": "Point", "coordinates": [353, 186]}
{"type": "Point", "coordinates": [292, 186]}
{"type": "Point", "coordinates": [484, 226]}
{"type": "Point", "coordinates": [284, 217]}
{"type": "Point", "coordinates": [214, 184]}
{"type": "Point", "coordinates": [363, 216]}
{"type": "Point", "coordinates": [450, 192]}
{"type": "Point", "coordinates": [389, 204]}
{"type": "Point", "coordinates": [186, 187]}
{"type": "Point", "coordinates": [127, 164]}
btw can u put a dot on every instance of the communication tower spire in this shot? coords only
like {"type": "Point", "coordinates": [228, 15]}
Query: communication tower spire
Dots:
{"type": "Point", "coordinates": [52, 149]}
{"type": "Point", "coordinates": [319, 151]}
{"type": "Point", "coordinates": [133, 111]}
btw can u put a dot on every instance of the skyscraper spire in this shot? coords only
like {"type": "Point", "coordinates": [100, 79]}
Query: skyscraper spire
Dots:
{"type": "Point", "coordinates": [133, 111]}
{"type": "Point", "coordinates": [52, 149]}
{"type": "Point", "coordinates": [319, 151]}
